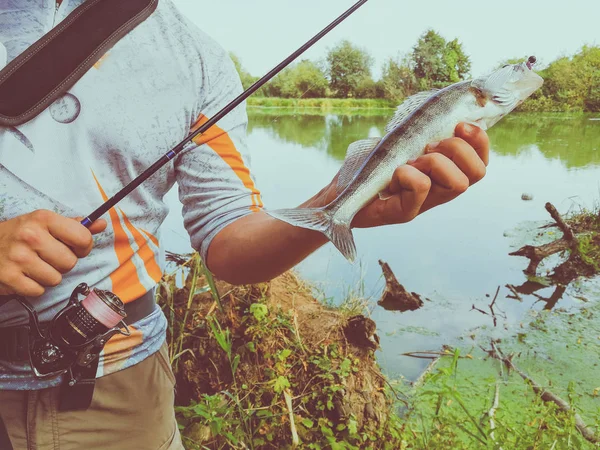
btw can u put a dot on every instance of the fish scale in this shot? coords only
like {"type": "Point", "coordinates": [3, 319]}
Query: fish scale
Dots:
{"type": "Point", "coordinates": [422, 119]}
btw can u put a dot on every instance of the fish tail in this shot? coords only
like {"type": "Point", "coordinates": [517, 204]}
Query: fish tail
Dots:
{"type": "Point", "coordinates": [322, 220]}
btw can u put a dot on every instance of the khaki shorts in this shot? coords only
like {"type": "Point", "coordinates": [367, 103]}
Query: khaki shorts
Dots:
{"type": "Point", "coordinates": [131, 409]}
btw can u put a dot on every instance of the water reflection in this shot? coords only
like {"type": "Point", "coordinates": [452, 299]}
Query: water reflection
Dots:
{"type": "Point", "coordinates": [332, 133]}
{"type": "Point", "coordinates": [574, 140]}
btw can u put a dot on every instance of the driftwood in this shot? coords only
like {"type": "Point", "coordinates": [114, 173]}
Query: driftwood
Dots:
{"type": "Point", "coordinates": [537, 254]}
{"type": "Point", "coordinates": [396, 297]}
{"type": "Point", "coordinates": [546, 395]}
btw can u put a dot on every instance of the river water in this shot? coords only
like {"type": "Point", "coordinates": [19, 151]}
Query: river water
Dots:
{"type": "Point", "coordinates": [455, 255]}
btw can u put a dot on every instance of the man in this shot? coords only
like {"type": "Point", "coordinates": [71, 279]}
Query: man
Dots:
{"type": "Point", "coordinates": [163, 79]}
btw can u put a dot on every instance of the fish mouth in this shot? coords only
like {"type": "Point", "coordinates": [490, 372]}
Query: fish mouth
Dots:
{"type": "Point", "coordinates": [529, 81]}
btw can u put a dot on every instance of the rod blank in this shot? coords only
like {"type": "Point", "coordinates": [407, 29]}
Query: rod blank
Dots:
{"type": "Point", "coordinates": [103, 209]}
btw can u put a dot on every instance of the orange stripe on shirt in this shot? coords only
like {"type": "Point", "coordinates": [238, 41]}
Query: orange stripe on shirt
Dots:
{"type": "Point", "coordinates": [126, 282]}
{"type": "Point", "coordinates": [221, 143]}
{"type": "Point", "coordinates": [144, 251]}
{"type": "Point", "coordinates": [150, 236]}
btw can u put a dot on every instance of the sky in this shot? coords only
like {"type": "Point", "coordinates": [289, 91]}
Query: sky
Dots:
{"type": "Point", "coordinates": [263, 32]}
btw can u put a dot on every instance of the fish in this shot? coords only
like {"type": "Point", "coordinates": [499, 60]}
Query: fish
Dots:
{"type": "Point", "coordinates": [421, 119]}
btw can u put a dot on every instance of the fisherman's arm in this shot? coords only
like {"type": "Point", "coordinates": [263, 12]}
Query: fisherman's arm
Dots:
{"type": "Point", "coordinates": [258, 247]}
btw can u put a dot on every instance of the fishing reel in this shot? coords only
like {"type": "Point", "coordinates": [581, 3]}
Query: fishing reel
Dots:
{"type": "Point", "coordinates": [77, 334]}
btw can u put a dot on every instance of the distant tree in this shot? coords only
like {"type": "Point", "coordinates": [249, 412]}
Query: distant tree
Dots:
{"type": "Point", "coordinates": [457, 62]}
{"type": "Point", "coordinates": [572, 83]}
{"type": "Point", "coordinates": [366, 88]}
{"type": "Point", "coordinates": [438, 63]}
{"type": "Point", "coordinates": [592, 103]}
{"type": "Point", "coordinates": [309, 80]}
{"type": "Point", "coordinates": [428, 58]}
{"type": "Point", "coordinates": [247, 79]}
{"type": "Point", "coordinates": [398, 80]}
{"type": "Point", "coordinates": [302, 80]}
{"type": "Point", "coordinates": [348, 66]}
{"type": "Point", "coordinates": [589, 60]}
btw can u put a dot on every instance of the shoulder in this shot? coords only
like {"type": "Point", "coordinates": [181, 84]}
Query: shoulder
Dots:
{"type": "Point", "coordinates": [186, 34]}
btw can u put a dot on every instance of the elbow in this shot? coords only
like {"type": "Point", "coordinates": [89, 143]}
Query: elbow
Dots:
{"type": "Point", "coordinates": [234, 272]}
{"type": "Point", "coordinates": [227, 262]}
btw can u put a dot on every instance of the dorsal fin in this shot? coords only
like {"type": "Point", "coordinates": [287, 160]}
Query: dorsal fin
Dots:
{"type": "Point", "coordinates": [355, 156]}
{"type": "Point", "coordinates": [407, 107]}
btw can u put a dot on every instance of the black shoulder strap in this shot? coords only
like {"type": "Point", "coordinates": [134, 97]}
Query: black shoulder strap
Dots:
{"type": "Point", "coordinates": [51, 66]}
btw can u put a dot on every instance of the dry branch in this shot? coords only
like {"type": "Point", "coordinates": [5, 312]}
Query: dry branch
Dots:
{"type": "Point", "coordinates": [566, 229]}
{"type": "Point", "coordinates": [492, 411]}
{"type": "Point", "coordinates": [547, 396]}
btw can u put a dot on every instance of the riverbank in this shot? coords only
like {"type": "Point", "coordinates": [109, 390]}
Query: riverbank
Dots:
{"type": "Point", "coordinates": [334, 105]}
{"type": "Point", "coordinates": [268, 366]}
{"type": "Point", "coordinates": [348, 105]}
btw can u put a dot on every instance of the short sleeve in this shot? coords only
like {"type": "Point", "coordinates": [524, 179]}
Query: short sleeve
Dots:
{"type": "Point", "coordinates": [216, 186]}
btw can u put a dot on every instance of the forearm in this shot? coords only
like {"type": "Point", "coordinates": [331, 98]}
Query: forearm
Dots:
{"type": "Point", "coordinates": [258, 247]}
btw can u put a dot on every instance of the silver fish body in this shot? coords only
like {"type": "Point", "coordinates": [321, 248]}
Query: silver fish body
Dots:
{"type": "Point", "coordinates": [422, 119]}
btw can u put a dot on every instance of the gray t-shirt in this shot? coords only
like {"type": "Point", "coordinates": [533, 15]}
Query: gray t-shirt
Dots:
{"type": "Point", "coordinates": [143, 97]}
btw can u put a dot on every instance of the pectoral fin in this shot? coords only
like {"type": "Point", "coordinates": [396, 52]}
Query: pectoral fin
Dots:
{"type": "Point", "coordinates": [356, 155]}
{"type": "Point", "coordinates": [386, 194]}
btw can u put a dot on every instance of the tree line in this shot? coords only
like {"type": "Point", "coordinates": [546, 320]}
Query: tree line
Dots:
{"type": "Point", "coordinates": [571, 83]}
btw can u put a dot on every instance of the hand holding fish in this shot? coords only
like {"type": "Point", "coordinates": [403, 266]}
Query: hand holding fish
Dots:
{"type": "Point", "coordinates": [447, 170]}
{"type": "Point", "coordinates": [423, 118]}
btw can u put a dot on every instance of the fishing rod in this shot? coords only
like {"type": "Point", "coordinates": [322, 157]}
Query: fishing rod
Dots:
{"type": "Point", "coordinates": [106, 206]}
{"type": "Point", "coordinates": [78, 332]}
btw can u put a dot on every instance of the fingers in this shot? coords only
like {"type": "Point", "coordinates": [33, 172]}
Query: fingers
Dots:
{"type": "Point", "coordinates": [71, 233]}
{"type": "Point", "coordinates": [463, 155]}
{"type": "Point", "coordinates": [476, 138]}
{"type": "Point", "coordinates": [443, 172]}
{"type": "Point", "coordinates": [37, 248]}
{"type": "Point", "coordinates": [448, 181]}
{"type": "Point", "coordinates": [42, 273]}
{"type": "Point", "coordinates": [21, 285]}
{"type": "Point", "coordinates": [57, 254]}
{"type": "Point", "coordinates": [409, 187]}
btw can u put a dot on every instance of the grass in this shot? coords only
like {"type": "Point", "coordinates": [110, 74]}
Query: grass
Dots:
{"type": "Point", "coordinates": [475, 402]}
{"type": "Point", "coordinates": [268, 373]}
{"type": "Point", "coordinates": [262, 374]}
{"type": "Point", "coordinates": [320, 104]}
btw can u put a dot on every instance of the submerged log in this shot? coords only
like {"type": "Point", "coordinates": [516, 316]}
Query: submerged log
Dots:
{"type": "Point", "coordinates": [537, 254]}
{"type": "Point", "coordinates": [396, 297]}
{"type": "Point", "coordinates": [570, 269]}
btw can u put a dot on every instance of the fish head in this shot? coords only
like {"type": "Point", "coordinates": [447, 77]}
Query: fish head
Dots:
{"type": "Point", "coordinates": [501, 91]}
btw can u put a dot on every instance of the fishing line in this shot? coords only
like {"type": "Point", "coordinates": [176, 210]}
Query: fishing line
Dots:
{"type": "Point", "coordinates": [171, 154]}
